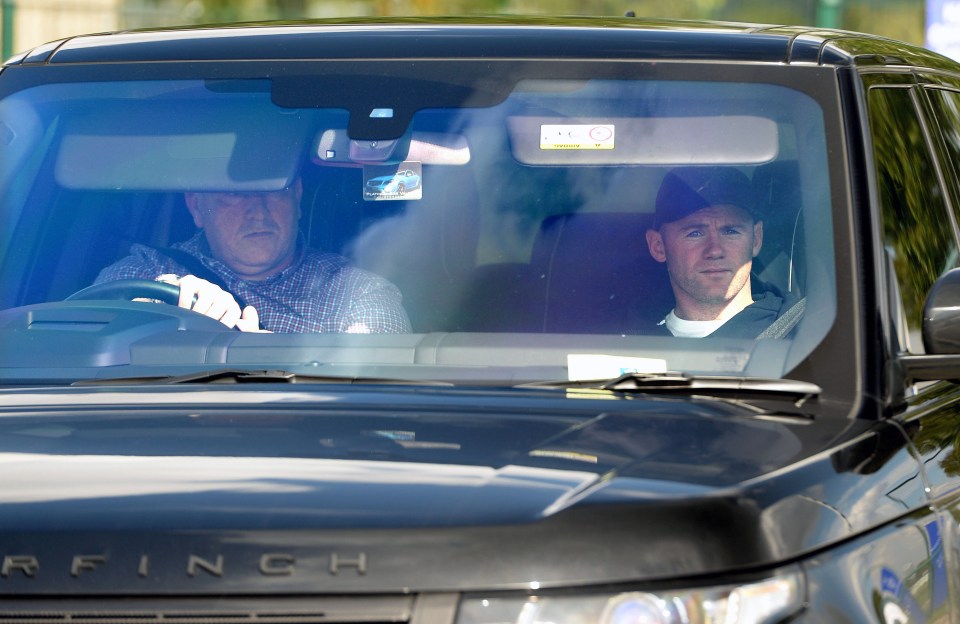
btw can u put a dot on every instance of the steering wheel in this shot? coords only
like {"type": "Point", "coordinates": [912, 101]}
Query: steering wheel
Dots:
{"type": "Point", "coordinates": [129, 289]}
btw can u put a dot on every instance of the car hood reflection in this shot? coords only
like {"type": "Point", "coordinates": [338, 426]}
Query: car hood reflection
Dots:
{"type": "Point", "coordinates": [322, 465]}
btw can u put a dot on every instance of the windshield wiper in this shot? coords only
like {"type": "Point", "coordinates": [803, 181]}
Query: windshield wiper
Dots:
{"type": "Point", "coordinates": [245, 376]}
{"type": "Point", "coordinates": [679, 383]}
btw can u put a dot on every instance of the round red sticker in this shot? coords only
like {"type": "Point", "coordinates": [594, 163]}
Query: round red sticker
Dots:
{"type": "Point", "coordinates": [600, 133]}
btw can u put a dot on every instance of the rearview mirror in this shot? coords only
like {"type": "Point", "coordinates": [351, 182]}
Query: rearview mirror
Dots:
{"type": "Point", "coordinates": [941, 315]}
{"type": "Point", "coordinates": [941, 334]}
{"type": "Point", "coordinates": [430, 148]}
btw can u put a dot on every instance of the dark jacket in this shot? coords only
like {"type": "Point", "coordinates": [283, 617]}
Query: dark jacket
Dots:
{"type": "Point", "coordinates": [769, 304]}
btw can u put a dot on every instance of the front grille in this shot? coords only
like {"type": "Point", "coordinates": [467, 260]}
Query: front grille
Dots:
{"type": "Point", "coordinates": [424, 609]}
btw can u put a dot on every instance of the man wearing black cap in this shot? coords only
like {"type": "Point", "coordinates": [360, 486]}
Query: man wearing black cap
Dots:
{"type": "Point", "coordinates": [707, 231]}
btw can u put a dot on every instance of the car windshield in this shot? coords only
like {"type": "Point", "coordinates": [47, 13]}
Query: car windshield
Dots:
{"type": "Point", "coordinates": [450, 222]}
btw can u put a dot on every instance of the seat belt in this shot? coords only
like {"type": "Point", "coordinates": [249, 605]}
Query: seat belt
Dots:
{"type": "Point", "coordinates": [197, 268]}
{"type": "Point", "coordinates": [787, 321]}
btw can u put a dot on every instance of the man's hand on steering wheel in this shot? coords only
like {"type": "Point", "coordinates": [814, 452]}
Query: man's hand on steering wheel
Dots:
{"type": "Point", "coordinates": [210, 300]}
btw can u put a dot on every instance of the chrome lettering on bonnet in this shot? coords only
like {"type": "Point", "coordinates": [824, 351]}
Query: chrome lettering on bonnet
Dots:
{"type": "Point", "coordinates": [24, 563]}
{"type": "Point", "coordinates": [268, 564]}
{"type": "Point", "coordinates": [359, 563]}
{"type": "Point", "coordinates": [277, 565]}
{"type": "Point", "coordinates": [85, 562]}
{"type": "Point", "coordinates": [195, 562]}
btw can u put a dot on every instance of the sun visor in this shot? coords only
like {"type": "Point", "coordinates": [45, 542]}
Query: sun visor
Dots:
{"type": "Point", "coordinates": [238, 146]}
{"type": "Point", "coordinates": [726, 139]}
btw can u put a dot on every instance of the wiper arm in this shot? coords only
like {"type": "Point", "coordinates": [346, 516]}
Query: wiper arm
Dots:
{"type": "Point", "coordinates": [690, 384]}
{"type": "Point", "coordinates": [245, 376]}
{"type": "Point", "coordinates": [678, 383]}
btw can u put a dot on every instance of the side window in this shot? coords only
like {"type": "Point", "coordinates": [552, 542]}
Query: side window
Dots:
{"type": "Point", "coordinates": [945, 106]}
{"type": "Point", "coordinates": [917, 230]}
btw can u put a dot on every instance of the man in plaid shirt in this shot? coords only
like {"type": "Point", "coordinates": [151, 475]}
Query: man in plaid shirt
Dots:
{"type": "Point", "coordinates": [251, 242]}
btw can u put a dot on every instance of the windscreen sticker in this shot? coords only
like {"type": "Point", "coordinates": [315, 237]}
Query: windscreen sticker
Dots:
{"type": "Point", "coordinates": [576, 136]}
{"type": "Point", "coordinates": [393, 182]}
{"type": "Point", "coordinates": [733, 359]}
{"type": "Point", "coordinates": [585, 366]}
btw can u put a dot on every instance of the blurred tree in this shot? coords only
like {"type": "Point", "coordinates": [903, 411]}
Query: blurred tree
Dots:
{"type": "Point", "coordinates": [291, 9]}
{"type": "Point", "coordinates": [898, 19]}
{"type": "Point", "coordinates": [220, 11]}
{"type": "Point", "coordinates": [794, 12]}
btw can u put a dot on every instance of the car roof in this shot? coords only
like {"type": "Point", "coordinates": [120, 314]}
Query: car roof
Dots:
{"type": "Point", "coordinates": [489, 38]}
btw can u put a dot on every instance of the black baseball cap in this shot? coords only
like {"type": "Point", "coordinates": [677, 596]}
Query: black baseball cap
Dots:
{"type": "Point", "coordinates": [685, 190]}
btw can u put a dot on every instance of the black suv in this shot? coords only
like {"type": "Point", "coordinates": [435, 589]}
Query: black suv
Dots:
{"type": "Point", "coordinates": [469, 322]}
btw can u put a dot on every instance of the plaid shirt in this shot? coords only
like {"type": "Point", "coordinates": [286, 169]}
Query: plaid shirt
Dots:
{"type": "Point", "coordinates": [319, 292]}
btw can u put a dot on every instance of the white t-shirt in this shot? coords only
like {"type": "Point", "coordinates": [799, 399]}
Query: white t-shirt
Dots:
{"type": "Point", "coordinates": [690, 329]}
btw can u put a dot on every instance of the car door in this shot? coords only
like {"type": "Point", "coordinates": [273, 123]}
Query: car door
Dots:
{"type": "Point", "coordinates": [914, 186]}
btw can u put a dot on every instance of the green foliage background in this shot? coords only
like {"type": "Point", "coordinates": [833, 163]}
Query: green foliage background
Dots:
{"type": "Point", "coordinates": [899, 19]}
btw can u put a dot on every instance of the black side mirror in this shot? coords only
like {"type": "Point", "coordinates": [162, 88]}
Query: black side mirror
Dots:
{"type": "Point", "coordinates": [941, 315]}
